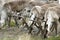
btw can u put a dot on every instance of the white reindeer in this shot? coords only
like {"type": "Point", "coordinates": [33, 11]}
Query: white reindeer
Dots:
{"type": "Point", "coordinates": [26, 12]}
{"type": "Point", "coordinates": [52, 17]}
{"type": "Point", "coordinates": [39, 12]}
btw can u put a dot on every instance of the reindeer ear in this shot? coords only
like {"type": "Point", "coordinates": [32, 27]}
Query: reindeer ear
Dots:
{"type": "Point", "coordinates": [59, 19]}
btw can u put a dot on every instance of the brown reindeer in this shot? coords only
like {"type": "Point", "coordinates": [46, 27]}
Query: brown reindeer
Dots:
{"type": "Point", "coordinates": [12, 8]}
{"type": "Point", "coordinates": [15, 5]}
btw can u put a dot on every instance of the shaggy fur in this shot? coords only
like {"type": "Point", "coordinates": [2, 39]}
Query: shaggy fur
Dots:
{"type": "Point", "coordinates": [52, 17]}
{"type": "Point", "coordinates": [39, 12]}
{"type": "Point", "coordinates": [11, 9]}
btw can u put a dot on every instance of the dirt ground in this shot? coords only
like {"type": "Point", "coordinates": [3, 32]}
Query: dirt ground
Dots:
{"type": "Point", "coordinates": [15, 33]}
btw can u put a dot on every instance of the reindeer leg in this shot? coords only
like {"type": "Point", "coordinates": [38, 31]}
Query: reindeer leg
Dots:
{"type": "Point", "coordinates": [55, 28]}
{"type": "Point", "coordinates": [9, 20]}
{"type": "Point", "coordinates": [6, 21]}
{"type": "Point", "coordinates": [52, 28]}
{"type": "Point", "coordinates": [44, 31]}
{"type": "Point", "coordinates": [30, 28]}
{"type": "Point", "coordinates": [26, 25]}
{"type": "Point", "coordinates": [16, 22]}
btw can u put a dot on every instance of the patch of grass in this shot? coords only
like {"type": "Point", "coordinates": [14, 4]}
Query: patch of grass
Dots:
{"type": "Point", "coordinates": [54, 38]}
{"type": "Point", "coordinates": [39, 38]}
{"type": "Point", "coordinates": [12, 23]}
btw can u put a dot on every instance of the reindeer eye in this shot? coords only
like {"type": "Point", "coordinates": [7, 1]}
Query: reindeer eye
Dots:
{"type": "Point", "coordinates": [28, 11]}
{"type": "Point", "coordinates": [24, 9]}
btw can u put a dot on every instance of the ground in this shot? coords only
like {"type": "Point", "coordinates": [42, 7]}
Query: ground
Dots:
{"type": "Point", "coordinates": [15, 33]}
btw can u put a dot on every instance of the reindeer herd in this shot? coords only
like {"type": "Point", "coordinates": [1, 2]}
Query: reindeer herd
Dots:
{"type": "Point", "coordinates": [44, 16]}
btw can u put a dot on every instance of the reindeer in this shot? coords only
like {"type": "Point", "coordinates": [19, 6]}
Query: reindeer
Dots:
{"type": "Point", "coordinates": [26, 13]}
{"type": "Point", "coordinates": [52, 16]}
{"type": "Point", "coordinates": [11, 9]}
{"type": "Point", "coordinates": [38, 12]}
{"type": "Point", "coordinates": [14, 7]}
